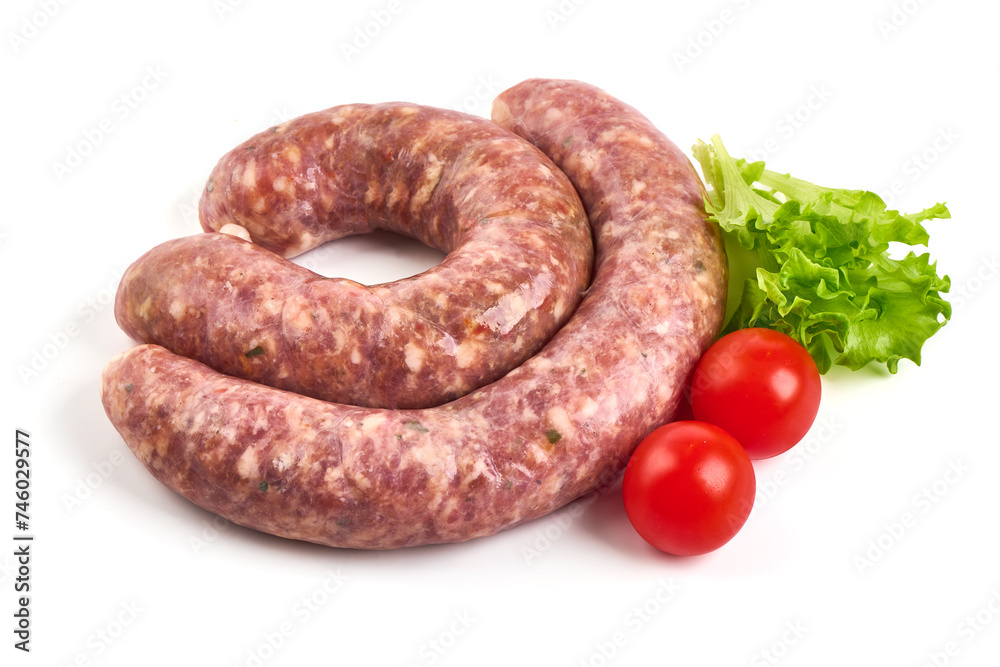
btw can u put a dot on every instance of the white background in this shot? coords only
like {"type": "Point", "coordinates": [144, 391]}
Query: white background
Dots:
{"type": "Point", "coordinates": [863, 547]}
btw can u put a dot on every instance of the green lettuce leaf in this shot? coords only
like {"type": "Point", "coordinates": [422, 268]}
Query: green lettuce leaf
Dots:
{"type": "Point", "coordinates": [824, 274]}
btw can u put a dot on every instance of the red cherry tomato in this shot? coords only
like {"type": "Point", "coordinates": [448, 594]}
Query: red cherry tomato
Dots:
{"type": "Point", "coordinates": [759, 385]}
{"type": "Point", "coordinates": [688, 488]}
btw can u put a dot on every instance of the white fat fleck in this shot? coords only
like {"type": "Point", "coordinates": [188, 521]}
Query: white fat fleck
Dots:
{"type": "Point", "coordinates": [260, 424]}
{"type": "Point", "coordinates": [247, 466]}
{"type": "Point", "coordinates": [394, 196]}
{"type": "Point", "coordinates": [587, 410]}
{"type": "Point", "coordinates": [524, 470]}
{"type": "Point", "coordinates": [541, 364]}
{"type": "Point", "coordinates": [414, 356]}
{"type": "Point", "coordinates": [232, 229]}
{"type": "Point", "coordinates": [638, 187]}
{"type": "Point", "coordinates": [553, 116]}
{"type": "Point", "coordinates": [589, 158]}
{"type": "Point", "coordinates": [429, 457]}
{"type": "Point", "coordinates": [302, 321]}
{"type": "Point", "coordinates": [372, 423]}
{"type": "Point", "coordinates": [466, 354]}
{"type": "Point", "coordinates": [447, 343]}
{"type": "Point", "coordinates": [311, 178]}
{"type": "Point", "coordinates": [559, 419]}
{"type": "Point", "coordinates": [146, 308]}
{"type": "Point", "coordinates": [283, 462]}
{"type": "Point", "coordinates": [559, 310]}
{"type": "Point", "coordinates": [480, 469]}
{"type": "Point", "coordinates": [355, 356]}
{"type": "Point", "coordinates": [305, 243]}
{"type": "Point", "coordinates": [250, 174]}
{"type": "Point", "coordinates": [663, 328]}
{"type": "Point", "coordinates": [431, 177]}
{"type": "Point", "coordinates": [293, 154]}
{"type": "Point", "coordinates": [283, 185]}
{"type": "Point", "coordinates": [514, 306]}
{"type": "Point", "coordinates": [177, 309]}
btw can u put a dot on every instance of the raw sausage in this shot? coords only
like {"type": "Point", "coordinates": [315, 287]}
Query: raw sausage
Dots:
{"type": "Point", "coordinates": [520, 256]}
{"type": "Point", "coordinates": [549, 431]}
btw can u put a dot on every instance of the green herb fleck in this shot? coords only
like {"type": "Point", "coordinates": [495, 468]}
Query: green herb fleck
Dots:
{"type": "Point", "coordinates": [129, 387]}
{"type": "Point", "coordinates": [699, 266]}
{"type": "Point", "coordinates": [209, 187]}
{"type": "Point", "coordinates": [256, 352]}
{"type": "Point", "coordinates": [417, 426]}
{"type": "Point", "coordinates": [553, 435]}
{"type": "Point", "coordinates": [262, 486]}
{"type": "Point", "coordinates": [567, 141]}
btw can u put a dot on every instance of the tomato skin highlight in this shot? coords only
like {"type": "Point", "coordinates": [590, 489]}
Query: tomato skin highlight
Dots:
{"type": "Point", "coordinates": [761, 386]}
{"type": "Point", "coordinates": [688, 488]}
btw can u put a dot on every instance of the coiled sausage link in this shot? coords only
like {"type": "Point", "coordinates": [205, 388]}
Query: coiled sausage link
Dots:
{"type": "Point", "coordinates": [546, 433]}
{"type": "Point", "coordinates": [520, 257]}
